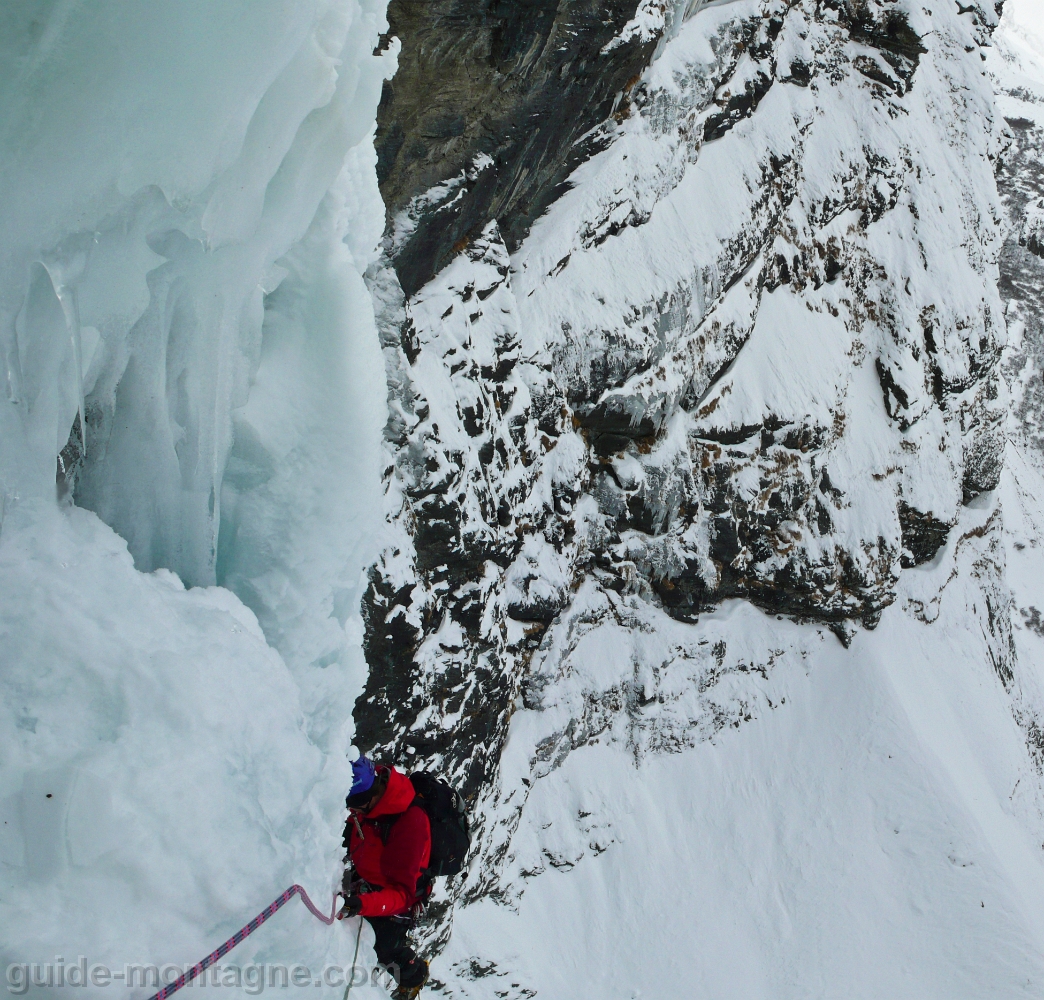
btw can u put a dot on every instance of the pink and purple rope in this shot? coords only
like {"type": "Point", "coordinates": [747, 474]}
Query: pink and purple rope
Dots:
{"type": "Point", "coordinates": [224, 949]}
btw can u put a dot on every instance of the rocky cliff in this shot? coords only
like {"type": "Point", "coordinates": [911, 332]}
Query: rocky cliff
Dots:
{"type": "Point", "coordinates": [678, 305]}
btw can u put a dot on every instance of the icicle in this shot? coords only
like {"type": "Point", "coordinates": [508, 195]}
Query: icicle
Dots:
{"type": "Point", "coordinates": [66, 294]}
{"type": "Point", "coordinates": [12, 365]}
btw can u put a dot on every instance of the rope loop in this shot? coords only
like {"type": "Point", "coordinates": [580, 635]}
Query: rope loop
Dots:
{"type": "Point", "coordinates": [295, 889]}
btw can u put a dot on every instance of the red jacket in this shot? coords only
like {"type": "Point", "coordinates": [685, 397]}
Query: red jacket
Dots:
{"type": "Point", "coordinates": [396, 865]}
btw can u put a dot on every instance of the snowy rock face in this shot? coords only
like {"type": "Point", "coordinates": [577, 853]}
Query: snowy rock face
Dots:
{"type": "Point", "coordinates": [1018, 70]}
{"type": "Point", "coordinates": [750, 350]}
{"type": "Point", "coordinates": [1016, 65]}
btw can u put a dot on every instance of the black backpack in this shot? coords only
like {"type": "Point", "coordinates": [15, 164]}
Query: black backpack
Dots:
{"type": "Point", "coordinates": [450, 836]}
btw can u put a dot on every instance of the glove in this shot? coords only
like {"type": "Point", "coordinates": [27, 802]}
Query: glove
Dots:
{"type": "Point", "coordinates": [352, 908]}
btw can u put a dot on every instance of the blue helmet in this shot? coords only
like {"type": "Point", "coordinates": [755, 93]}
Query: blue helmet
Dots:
{"type": "Point", "coordinates": [363, 775]}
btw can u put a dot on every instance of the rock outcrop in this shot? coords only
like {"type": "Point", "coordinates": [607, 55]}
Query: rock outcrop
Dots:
{"type": "Point", "coordinates": [491, 110]}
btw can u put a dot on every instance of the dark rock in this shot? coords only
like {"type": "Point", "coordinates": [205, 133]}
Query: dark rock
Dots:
{"type": "Point", "coordinates": [725, 545]}
{"type": "Point", "coordinates": [923, 535]}
{"type": "Point", "coordinates": [534, 610]}
{"type": "Point", "coordinates": [70, 462]}
{"type": "Point", "coordinates": [684, 596]}
{"type": "Point", "coordinates": [737, 108]}
{"type": "Point", "coordinates": [389, 644]}
{"type": "Point", "coordinates": [887, 30]}
{"type": "Point", "coordinates": [800, 74]}
{"type": "Point", "coordinates": [473, 685]}
{"type": "Point", "coordinates": [519, 82]}
{"type": "Point", "coordinates": [896, 398]}
{"type": "Point", "coordinates": [610, 428]}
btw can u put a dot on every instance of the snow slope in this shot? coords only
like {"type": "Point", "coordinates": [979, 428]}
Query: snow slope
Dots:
{"type": "Point", "coordinates": [775, 816]}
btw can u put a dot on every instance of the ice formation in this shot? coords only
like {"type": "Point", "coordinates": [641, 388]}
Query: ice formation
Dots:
{"type": "Point", "coordinates": [190, 204]}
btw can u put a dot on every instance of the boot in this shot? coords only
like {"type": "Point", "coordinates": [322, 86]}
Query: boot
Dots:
{"type": "Point", "coordinates": [417, 973]}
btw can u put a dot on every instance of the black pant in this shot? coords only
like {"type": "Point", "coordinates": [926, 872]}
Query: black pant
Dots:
{"type": "Point", "coordinates": [393, 950]}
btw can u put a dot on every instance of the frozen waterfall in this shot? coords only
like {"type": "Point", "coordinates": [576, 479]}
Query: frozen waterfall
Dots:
{"type": "Point", "coordinates": [189, 203]}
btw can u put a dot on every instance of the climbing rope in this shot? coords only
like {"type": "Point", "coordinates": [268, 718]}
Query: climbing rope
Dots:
{"type": "Point", "coordinates": [199, 967]}
{"type": "Point", "coordinates": [351, 978]}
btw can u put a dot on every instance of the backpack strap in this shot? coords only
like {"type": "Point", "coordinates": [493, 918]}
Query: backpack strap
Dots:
{"type": "Point", "coordinates": [425, 884]}
{"type": "Point", "coordinates": [384, 825]}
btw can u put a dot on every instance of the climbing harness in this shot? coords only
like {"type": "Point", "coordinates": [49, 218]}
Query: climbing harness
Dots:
{"type": "Point", "coordinates": [199, 967]}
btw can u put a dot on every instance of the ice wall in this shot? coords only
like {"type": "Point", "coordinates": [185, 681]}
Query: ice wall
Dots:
{"type": "Point", "coordinates": [159, 162]}
{"type": "Point", "coordinates": [189, 351]}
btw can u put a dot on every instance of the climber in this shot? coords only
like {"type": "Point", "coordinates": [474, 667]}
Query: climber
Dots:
{"type": "Point", "coordinates": [388, 838]}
